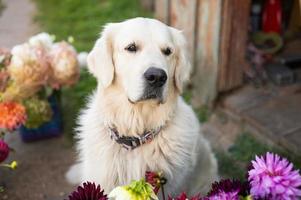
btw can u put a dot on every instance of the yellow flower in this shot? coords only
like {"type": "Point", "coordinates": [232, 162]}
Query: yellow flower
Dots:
{"type": "Point", "coordinates": [70, 39]}
{"type": "Point", "coordinates": [13, 165]}
{"type": "Point", "coordinates": [137, 190]}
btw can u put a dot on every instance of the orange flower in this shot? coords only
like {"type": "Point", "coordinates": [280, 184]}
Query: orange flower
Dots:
{"type": "Point", "coordinates": [12, 115]}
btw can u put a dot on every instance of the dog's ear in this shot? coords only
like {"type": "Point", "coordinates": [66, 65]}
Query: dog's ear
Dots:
{"type": "Point", "coordinates": [183, 66]}
{"type": "Point", "coordinates": [100, 59]}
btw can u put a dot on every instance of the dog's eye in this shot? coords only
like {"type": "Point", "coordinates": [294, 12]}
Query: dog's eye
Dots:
{"type": "Point", "coordinates": [167, 51]}
{"type": "Point", "coordinates": [132, 48]}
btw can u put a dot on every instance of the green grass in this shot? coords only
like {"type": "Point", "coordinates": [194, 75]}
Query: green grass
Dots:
{"type": "Point", "coordinates": [82, 19]}
{"type": "Point", "coordinates": [234, 162]}
{"type": "Point", "coordinates": [2, 6]}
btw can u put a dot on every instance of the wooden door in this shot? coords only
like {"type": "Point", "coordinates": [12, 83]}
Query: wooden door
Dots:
{"type": "Point", "coordinates": [217, 39]}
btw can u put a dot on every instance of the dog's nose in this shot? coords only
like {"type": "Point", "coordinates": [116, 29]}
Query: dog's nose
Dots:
{"type": "Point", "coordinates": [155, 77]}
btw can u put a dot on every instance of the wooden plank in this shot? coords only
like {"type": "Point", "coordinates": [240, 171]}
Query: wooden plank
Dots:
{"type": "Point", "coordinates": [225, 48]}
{"type": "Point", "coordinates": [293, 141]}
{"type": "Point", "coordinates": [246, 98]}
{"type": "Point", "coordinates": [207, 51]}
{"type": "Point", "coordinates": [148, 5]}
{"type": "Point", "coordinates": [182, 16]}
{"type": "Point", "coordinates": [234, 35]}
{"type": "Point", "coordinates": [162, 10]}
{"type": "Point", "coordinates": [217, 33]}
{"type": "Point", "coordinates": [279, 116]}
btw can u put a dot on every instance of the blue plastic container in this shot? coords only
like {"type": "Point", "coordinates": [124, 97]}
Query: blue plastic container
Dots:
{"type": "Point", "coordinates": [53, 128]}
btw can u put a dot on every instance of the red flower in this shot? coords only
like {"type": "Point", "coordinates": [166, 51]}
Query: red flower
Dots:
{"type": "Point", "coordinates": [183, 196]}
{"type": "Point", "coordinates": [4, 150]}
{"type": "Point", "coordinates": [88, 191]}
{"type": "Point", "coordinates": [155, 179]}
{"type": "Point", "coordinates": [12, 115]}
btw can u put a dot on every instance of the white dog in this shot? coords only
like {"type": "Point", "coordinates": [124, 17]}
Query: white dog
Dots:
{"type": "Point", "coordinates": [135, 120]}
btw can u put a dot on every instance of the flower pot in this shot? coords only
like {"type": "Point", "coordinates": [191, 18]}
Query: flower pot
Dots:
{"type": "Point", "coordinates": [50, 129]}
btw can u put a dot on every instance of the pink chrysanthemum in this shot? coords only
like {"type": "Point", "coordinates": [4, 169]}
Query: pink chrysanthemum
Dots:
{"type": "Point", "coordinates": [183, 196]}
{"type": "Point", "coordinates": [4, 150]}
{"type": "Point", "coordinates": [273, 177]}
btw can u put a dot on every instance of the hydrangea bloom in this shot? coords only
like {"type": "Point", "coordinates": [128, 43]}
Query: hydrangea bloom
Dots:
{"type": "Point", "coordinates": [82, 59]}
{"type": "Point", "coordinates": [4, 150]}
{"type": "Point", "coordinates": [12, 115]}
{"type": "Point", "coordinates": [5, 57]}
{"type": "Point", "coordinates": [38, 112]}
{"type": "Point", "coordinates": [17, 92]}
{"type": "Point", "coordinates": [4, 78]}
{"type": "Point", "coordinates": [88, 191]}
{"type": "Point", "coordinates": [29, 65]}
{"type": "Point", "coordinates": [273, 177]}
{"type": "Point", "coordinates": [137, 190]}
{"type": "Point", "coordinates": [43, 40]}
{"type": "Point", "coordinates": [64, 65]}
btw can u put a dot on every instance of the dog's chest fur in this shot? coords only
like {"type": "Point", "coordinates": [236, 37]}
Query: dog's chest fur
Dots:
{"type": "Point", "coordinates": [107, 163]}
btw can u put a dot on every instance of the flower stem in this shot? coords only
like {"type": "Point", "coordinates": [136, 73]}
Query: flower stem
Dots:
{"type": "Point", "coordinates": [163, 193]}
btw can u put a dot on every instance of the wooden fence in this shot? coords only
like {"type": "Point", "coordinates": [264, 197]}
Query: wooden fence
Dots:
{"type": "Point", "coordinates": [217, 34]}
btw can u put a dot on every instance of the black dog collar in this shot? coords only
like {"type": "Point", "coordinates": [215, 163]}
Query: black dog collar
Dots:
{"type": "Point", "coordinates": [131, 142]}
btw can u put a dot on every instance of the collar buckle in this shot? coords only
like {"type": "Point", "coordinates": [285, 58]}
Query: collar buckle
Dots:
{"type": "Point", "coordinates": [147, 137]}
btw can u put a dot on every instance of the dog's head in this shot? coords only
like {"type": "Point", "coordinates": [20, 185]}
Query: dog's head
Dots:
{"type": "Point", "coordinates": [144, 56]}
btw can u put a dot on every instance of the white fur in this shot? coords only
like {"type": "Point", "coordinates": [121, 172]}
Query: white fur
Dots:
{"type": "Point", "coordinates": [179, 151]}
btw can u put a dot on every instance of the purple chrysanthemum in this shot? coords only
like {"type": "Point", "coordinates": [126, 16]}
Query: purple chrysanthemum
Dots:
{"type": "Point", "coordinates": [228, 186]}
{"type": "Point", "coordinates": [273, 177]}
{"type": "Point", "coordinates": [225, 190]}
{"type": "Point", "coordinates": [88, 191]}
{"type": "Point", "coordinates": [224, 196]}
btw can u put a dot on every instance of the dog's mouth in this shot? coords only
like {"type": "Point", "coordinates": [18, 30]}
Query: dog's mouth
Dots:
{"type": "Point", "coordinates": [150, 94]}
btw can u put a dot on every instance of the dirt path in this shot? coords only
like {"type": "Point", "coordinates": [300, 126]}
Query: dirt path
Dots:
{"type": "Point", "coordinates": [42, 164]}
{"type": "Point", "coordinates": [41, 170]}
{"type": "Point", "coordinates": [16, 22]}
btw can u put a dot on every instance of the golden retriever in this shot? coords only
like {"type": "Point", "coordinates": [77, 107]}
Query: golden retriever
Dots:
{"type": "Point", "coordinates": [136, 119]}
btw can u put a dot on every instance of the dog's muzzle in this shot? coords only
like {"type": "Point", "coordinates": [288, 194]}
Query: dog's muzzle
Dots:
{"type": "Point", "coordinates": [155, 79]}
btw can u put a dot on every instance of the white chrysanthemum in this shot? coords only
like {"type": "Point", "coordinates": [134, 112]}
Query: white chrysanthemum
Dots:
{"type": "Point", "coordinates": [82, 59]}
{"type": "Point", "coordinates": [120, 193]}
{"type": "Point", "coordinates": [42, 40]}
{"type": "Point", "coordinates": [137, 190]}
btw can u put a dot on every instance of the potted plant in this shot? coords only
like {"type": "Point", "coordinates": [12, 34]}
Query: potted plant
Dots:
{"type": "Point", "coordinates": [33, 74]}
